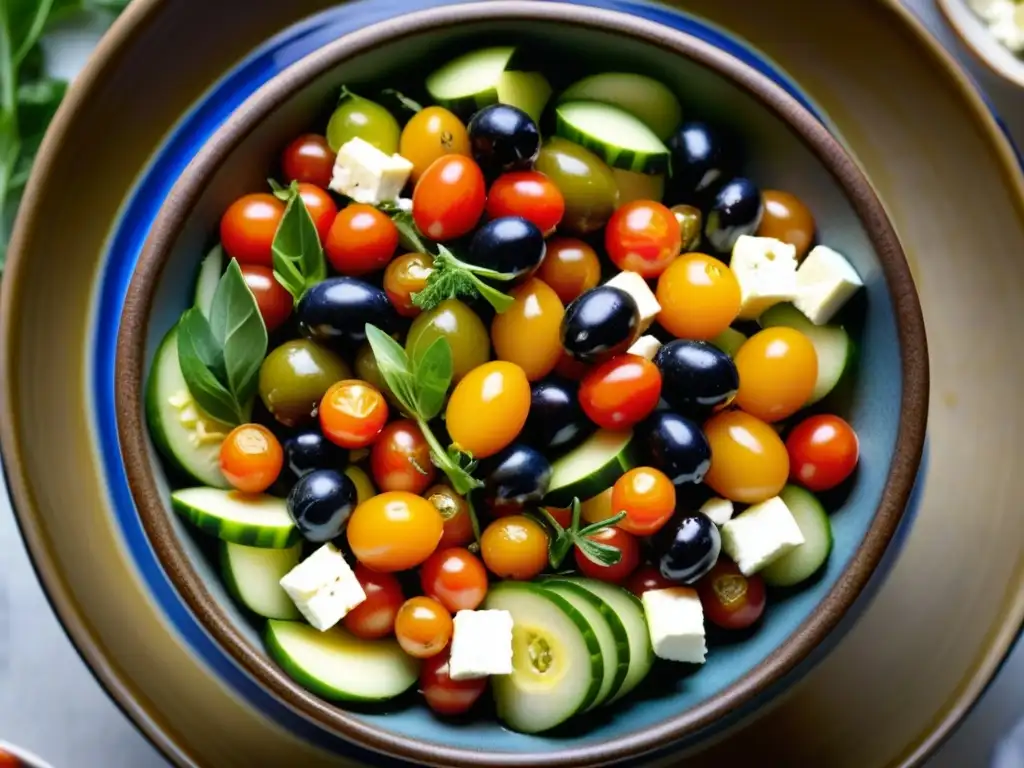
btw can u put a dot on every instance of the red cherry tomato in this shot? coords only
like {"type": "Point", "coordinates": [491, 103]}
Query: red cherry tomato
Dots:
{"type": "Point", "coordinates": [730, 599]}
{"type": "Point", "coordinates": [621, 392]}
{"type": "Point", "coordinates": [308, 159]}
{"type": "Point", "coordinates": [444, 695]}
{"type": "Point", "coordinates": [321, 208]}
{"type": "Point", "coordinates": [272, 298]}
{"type": "Point", "coordinates": [400, 459]}
{"type": "Point", "coordinates": [251, 458]}
{"type": "Point", "coordinates": [562, 515]}
{"type": "Point", "coordinates": [626, 543]}
{"type": "Point", "coordinates": [248, 226]}
{"type": "Point", "coordinates": [352, 414]}
{"type": "Point", "coordinates": [647, 497]}
{"type": "Point", "coordinates": [361, 240]}
{"type": "Point", "coordinates": [454, 577]}
{"type": "Point", "coordinates": [529, 194]}
{"type": "Point", "coordinates": [458, 527]}
{"type": "Point", "coordinates": [644, 237]}
{"type": "Point", "coordinates": [449, 198]}
{"type": "Point", "coordinates": [374, 618]}
{"type": "Point", "coordinates": [646, 578]}
{"type": "Point", "coordinates": [568, 367]}
{"type": "Point", "coordinates": [7, 760]}
{"type": "Point", "coordinates": [823, 452]}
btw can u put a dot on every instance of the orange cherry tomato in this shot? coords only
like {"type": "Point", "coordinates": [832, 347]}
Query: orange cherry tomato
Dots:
{"type": "Point", "coordinates": [431, 133]}
{"type": "Point", "coordinates": [448, 200]}
{"type": "Point", "coordinates": [458, 527]}
{"type": "Point", "coordinates": [823, 452]}
{"type": "Point", "coordinates": [778, 368]}
{"type": "Point", "coordinates": [406, 276]}
{"type": "Point", "coordinates": [699, 297]}
{"type": "Point", "coordinates": [444, 695]}
{"type": "Point", "coordinates": [786, 218]}
{"type": "Point", "coordinates": [749, 463]}
{"type": "Point", "coordinates": [647, 497]}
{"type": "Point", "coordinates": [352, 413]}
{"type": "Point", "coordinates": [400, 458]}
{"type": "Point", "coordinates": [248, 227]}
{"type": "Point", "coordinates": [529, 194]}
{"type": "Point", "coordinates": [423, 627]}
{"type": "Point", "coordinates": [394, 531]}
{"type": "Point", "coordinates": [616, 573]}
{"type": "Point", "coordinates": [643, 237]}
{"type": "Point", "coordinates": [570, 267]}
{"type": "Point", "coordinates": [321, 208]}
{"type": "Point", "coordinates": [488, 408]}
{"type": "Point", "coordinates": [361, 240]}
{"type": "Point", "coordinates": [454, 577]}
{"type": "Point", "coordinates": [309, 159]}
{"type": "Point", "coordinates": [514, 547]}
{"type": "Point", "coordinates": [621, 392]}
{"type": "Point", "coordinates": [251, 458]}
{"type": "Point", "coordinates": [272, 298]}
{"type": "Point", "coordinates": [529, 333]}
{"type": "Point", "coordinates": [374, 618]}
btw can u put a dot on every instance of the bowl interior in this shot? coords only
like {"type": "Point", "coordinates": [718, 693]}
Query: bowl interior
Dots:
{"type": "Point", "coordinates": [777, 158]}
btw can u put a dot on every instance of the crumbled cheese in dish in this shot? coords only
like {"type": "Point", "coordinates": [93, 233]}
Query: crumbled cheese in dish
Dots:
{"type": "Point", "coordinates": [367, 175]}
{"type": "Point", "coordinates": [481, 645]}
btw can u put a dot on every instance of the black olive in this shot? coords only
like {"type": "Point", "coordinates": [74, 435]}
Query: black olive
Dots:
{"type": "Point", "coordinates": [676, 445]}
{"type": "Point", "coordinates": [321, 502]}
{"type": "Point", "coordinates": [556, 420]}
{"type": "Point", "coordinates": [701, 159]}
{"type": "Point", "coordinates": [599, 324]}
{"type": "Point", "coordinates": [338, 309]}
{"type": "Point", "coordinates": [309, 450]}
{"type": "Point", "coordinates": [687, 547]}
{"type": "Point", "coordinates": [515, 478]}
{"type": "Point", "coordinates": [735, 211]}
{"type": "Point", "coordinates": [503, 138]}
{"type": "Point", "coordinates": [696, 377]}
{"type": "Point", "coordinates": [510, 245]}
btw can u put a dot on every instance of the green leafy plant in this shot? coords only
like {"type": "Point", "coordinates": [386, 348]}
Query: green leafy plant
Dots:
{"type": "Point", "coordinates": [453, 278]}
{"type": "Point", "coordinates": [298, 255]}
{"type": "Point", "coordinates": [563, 539]}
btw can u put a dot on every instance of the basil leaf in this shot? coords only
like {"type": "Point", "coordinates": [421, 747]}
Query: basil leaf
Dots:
{"type": "Point", "coordinates": [394, 367]}
{"type": "Point", "coordinates": [298, 255]}
{"type": "Point", "coordinates": [597, 552]}
{"type": "Point", "coordinates": [194, 324]}
{"type": "Point", "coordinates": [237, 326]}
{"type": "Point", "coordinates": [433, 370]}
{"type": "Point", "coordinates": [196, 350]}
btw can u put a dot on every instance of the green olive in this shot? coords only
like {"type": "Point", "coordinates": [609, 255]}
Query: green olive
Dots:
{"type": "Point", "coordinates": [460, 325]}
{"type": "Point", "coordinates": [294, 378]}
{"type": "Point", "coordinates": [690, 225]}
{"type": "Point", "coordinates": [587, 184]}
{"type": "Point", "coordinates": [368, 120]}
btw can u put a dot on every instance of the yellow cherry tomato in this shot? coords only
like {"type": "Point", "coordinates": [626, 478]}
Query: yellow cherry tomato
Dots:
{"type": "Point", "coordinates": [514, 547]}
{"type": "Point", "coordinates": [394, 531]}
{"type": "Point", "coordinates": [488, 408]}
{"type": "Point", "coordinates": [461, 326]}
{"type": "Point", "coordinates": [749, 463]}
{"type": "Point", "coordinates": [529, 333]}
{"type": "Point", "coordinates": [432, 133]}
{"type": "Point", "coordinates": [423, 627]}
{"type": "Point", "coordinates": [778, 368]}
{"type": "Point", "coordinates": [699, 297]}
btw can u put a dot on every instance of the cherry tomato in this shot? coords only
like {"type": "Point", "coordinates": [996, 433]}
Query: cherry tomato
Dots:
{"type": "Point", "coordinates": [251, 458]}
{"type": "Point", "coordinates": [361, 240]}
{"type": "Point", "coordinates": [699, 297]}
{"type": "Point", "coordinates": [405, 276]}
{"type": "Point", "coordinates": [444, 695]}
{"type": "Point", "coordinates": [272, 298]}
{"type": "Point", "coordinates": [626, 543]}
{"type": "Point", "coordinates": [352, 414]}
{"type": "Point", "coordinates": [423, 627]}
{"type": "Point", "coordinates": [514, 547]}
{"type": "Point", "coordinates": [458, 527]}
{"type": "Point", "coordinates": [309, 159]}
{"type": "Point", "coordinates": [454, 577]}
{"type": "Point", "coordinates": [643, 236]}
{"type": "Point", "coordinates": [570, 267]}
{"type": "Point", "coordinates": [823, 452]}
{"type": "Point", "coordinates": [321, 208]}
{"type": "Point", "coordinates": [730, 599]}
{"type": "Point", "coordinates": [529, 194]}
{"type": "Point", "coordinates": [749, 463]}
{"type": "Point", "coordinates": [394, 531]}
{"type": "Point", "coordinates": [562, 514]}
{"type": "Point", "coordinates": [778, 369]}
{"type": "Point", "coordinates": [431, 133]}
{"type": "Point", "coordinates": [568, 367]}
{"type": "Point", "coordinates": [646, 578]}
{"type": "Point", "coordinates": [488, 408]}
{"type": "Point", "coordinates": [529, 333]}
{"type": "Point", "coordinates": [7, 760]}
{"type": "Point", "coordinates": [374, 618]}
{"type": "Point", "coordinates": [621, 392]}
{"type": "Point", "coordinates": [787, 219]}
{"type": "Point", "coordinates": [647, 497]}
{"type": "Point", "coordinates": [248, 227]}
{"type": "Point", "coordinates": [449, 198]}
{"type": "Point", "coordinates": [400, 458]}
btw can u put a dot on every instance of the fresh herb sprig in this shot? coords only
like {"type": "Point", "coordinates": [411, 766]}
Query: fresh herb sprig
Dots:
{"type": "Point", "coordinates": [220, 357]}
{"type": "Point", "coordinates": [563, 539]}
{"type": "Point", "coordinates": [298, 255]}
{"type": "Point", "coordinates": [453, 278]}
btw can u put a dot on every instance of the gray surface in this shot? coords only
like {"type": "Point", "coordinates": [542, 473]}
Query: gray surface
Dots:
{"type": "Point", "coordinates": [51, 705]}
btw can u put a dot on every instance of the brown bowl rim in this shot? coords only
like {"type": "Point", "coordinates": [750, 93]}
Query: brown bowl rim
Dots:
{"type": "Point", "coordinates": [156, 518]}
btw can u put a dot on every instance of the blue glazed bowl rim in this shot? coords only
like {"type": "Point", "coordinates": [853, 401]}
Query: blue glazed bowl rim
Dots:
{"type": "Point", "coordinates": [131, 355]}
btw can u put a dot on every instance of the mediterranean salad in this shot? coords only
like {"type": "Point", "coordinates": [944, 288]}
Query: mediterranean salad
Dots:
{"type": "Point", "coordinates": [502, 389]}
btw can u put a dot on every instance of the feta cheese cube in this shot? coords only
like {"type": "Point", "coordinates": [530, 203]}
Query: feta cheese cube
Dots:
{"type": "Point", "coordinates": [765, 269]}
{"type": "Point", "coordinates": [323, 587]}
{"type": "Point", "coordinates": [675, 620]}
{"type": "Point", "coordinates": [481, 645]}
{"type": "Point", "coordinates": [719, 510]}
{"type": "Point", "coordinates": [760, 535]}
{"type": "Point", "coordinates": [633, 284]}
{"type": "Point", "coordinates": [367, 175]}
{"type": "Point", "coordinates": [824, 282]}
{"type": "Point", "coordinates": [645, 346]}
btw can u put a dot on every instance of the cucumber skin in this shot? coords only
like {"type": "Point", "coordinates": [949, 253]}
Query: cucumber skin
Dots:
{"type": "Point", "coordinates": [626, 159]}
{"type": "Point", "coordinates": [228, 574]}
{"type": "Point", "coordinates": [777, 574]}
{"type": "Point", "coordinates": [589, 487]}
{"type": "Point", "coordinates": [250, 536]}
{"type": "Point", "coordinates": [602, 87]}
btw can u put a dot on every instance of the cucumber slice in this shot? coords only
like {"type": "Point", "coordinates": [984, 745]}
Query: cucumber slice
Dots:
{"type": "Point", "coordinates": [478, 79]}
{"type": "Point", "coordinates": [591, 467]}
{"type": "Point", "coordinates": [253, 575]}
{"type": "Point", "coordinates": [729, 341]}
{"type": "Point", "coordinates": [557, 669]}
{"type": "Point", "coordinates": [338, 666]}
{"type": "Point", "coordinates": [256, 520]}
{"type": "Point", "coordinates": [645, 98]}
{"type": "Point", "coordinates": [832, 343]}
{"type": "Point", "coordinates": [631, 614]}
{"type": "Point", "coordinates": [638, 186]}
{"type": "Point", "coordinates": [210, 270]}
{"type": "Point", "coordinates": [188, 438]}
{"type": "Point", "coordinates": [609, 630]}
{"type": "Point", "coordinates": [620, 139]}
{"type": "Point", "coordinates": [804, 561]}
{"type": "Point", "coordinates": [529, 91]}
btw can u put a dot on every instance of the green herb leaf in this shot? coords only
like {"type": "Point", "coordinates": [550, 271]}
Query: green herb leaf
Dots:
{"type": "Point", "coordinates": [394, 367]}
{"type": "Point", "coordinates": [433, 371]}
{"type": "Point", "coordinates": [197, 356]}
{"type": "Point", "coordinates": [454, 279]}
{"type": "Point", "coordinates": [601, 524]}
{"type": "Point", "coordinates": [25, 21]}
{"type": "Point", "coordinates": [408, 235]}
{"type": "Point", "coordinates": [280, 192]}
{"type": "Point", "coordinates": [597, 552]}
{"type": "Point", "coordinates": [298, 256]}
{"type": "Point", "coordinates": [237, 326]}
{"type": "Point", "coordinates": [407, 104]}
{"type": "Point", "coordinates": [562, 540]}
{"type": "Point", "coordinates": [37, 104]}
